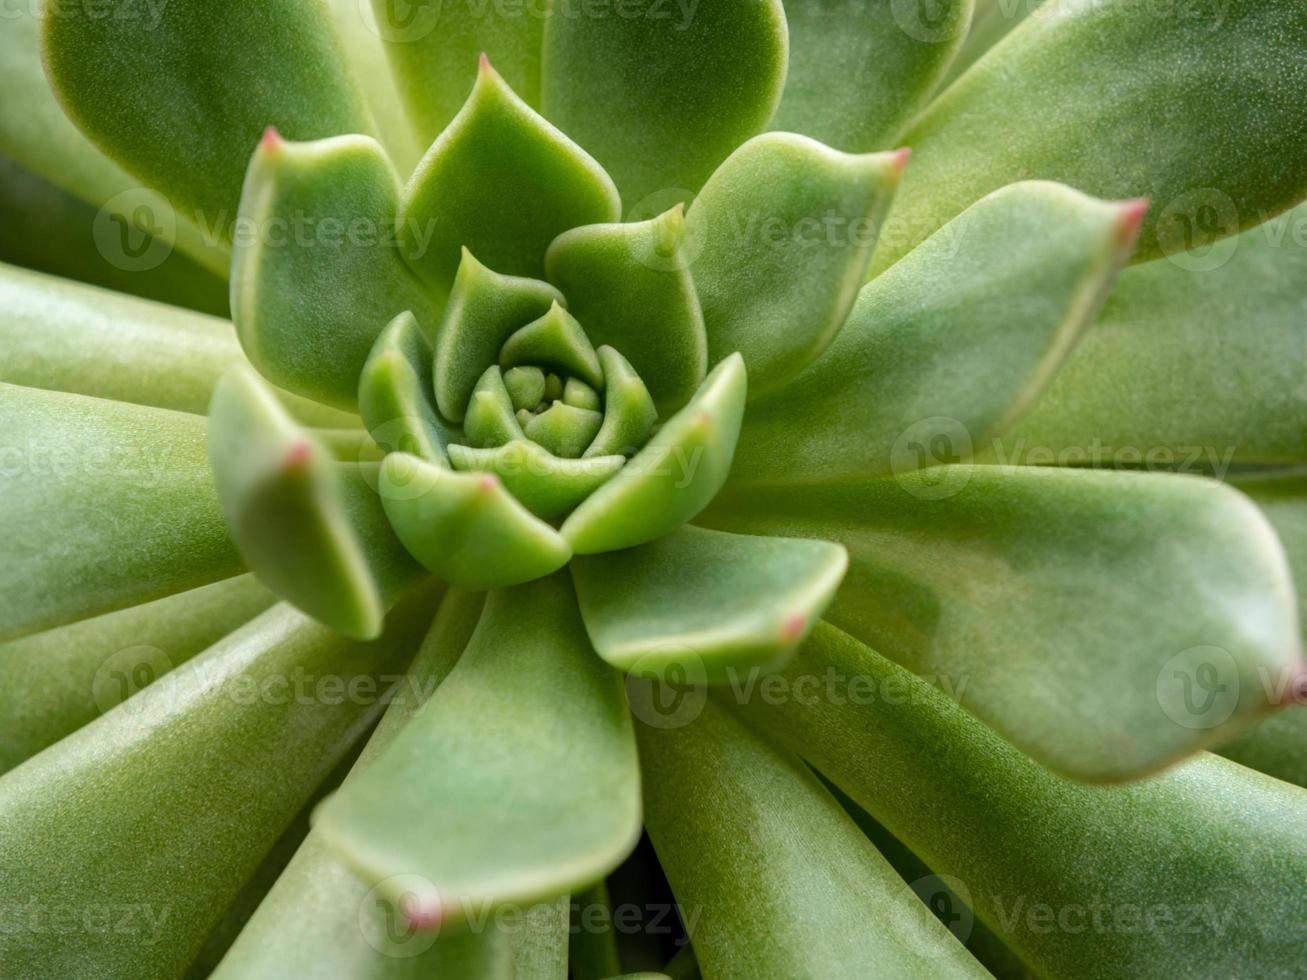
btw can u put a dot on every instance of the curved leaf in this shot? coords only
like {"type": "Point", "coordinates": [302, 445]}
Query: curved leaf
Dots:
{"type": "Point", "coordinates": [993, 21]}
{"type": "Point", "coordinates": [709, 603]}
{"type": "Point", "coordinates": [551, 803]}
{"type": "Point", "coordinates": [1202, 114]}
{"type": "Point", "coordinates": [555, 340]}
{"type": "Point", "coordinates": [490, 418]}
{"type": "Point", "coordinates": [786, 884]}
{"type": "Point", "coordinates": [501, 181]}
{"type": "Point", "coordinates": [629, 412]}
{"type": "Point", "coordinates": [548, 486]}
{"type": "Point", "coordinates": [396, 392]}
{"type": "Point", "coordinates": [661, 98]}
{"type": "Point", "coordinates": [563, 429]}
{"type": "Point", "coordinates": [784, 231]}
{"type": "Point", "coordinates": [951, 346]}
{"type": "Point", "coordinates": [104, 505]}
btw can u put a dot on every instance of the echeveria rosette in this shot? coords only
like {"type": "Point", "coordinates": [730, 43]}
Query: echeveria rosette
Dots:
{"type": "Point", "coordinates": [605, 350]}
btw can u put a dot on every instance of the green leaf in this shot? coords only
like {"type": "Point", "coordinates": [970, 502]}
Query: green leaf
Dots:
{"type": "Point", "coordinates": [629, 412]}
{"type": "Point", "coordinates": [526, 387]}
{"type": "Point", "coordinates": [502, 182]}
{"type": "Point", "coordinates": [993, 21]}
{"type": "Point", "coordinates": [704, 602]}
{"type": "Point", "coordinates": [548, 486]}
{"type": "Point", "coordinates": [99, 823]}
{"type": "Point", "coordinates": [53, 683]}
{"type": "Point", "coordinates": [434, 47]}
{"type": "Point", "coordinates": [578, 394]}
{"type": "Point", "coordinates": [465, 527]}
{"type": "Point", "coordinates": [951, 346]}
{"type": "Point", "coordinates": [630, 285]}
{"type": "Point", "coordinates": [860, 71]}
{"type": "Point", "coordinates": [1108, 623]}
{"type": "Point", "coordinates": [164, 106]}
{"type": "Point", "coordinates": [563, 429]}
{"type": "Point", "coordinates": [1227, 324]}
{"type": "Point", "coordinates": [786, 883]}
{"type": "Point", "coordinates": [550, 803]}
{"type": "Point", "coordinates": [540, 944]}
{"type": "Point", "coordinates": [310, 529]}
{"type": "Point", "coordinates": [1147, 880]}
{"type": "Point", "coordinates": [661, 98]}
{"type": "Point", "coordinates": [593, 952]}
{"type": "Point", "coordinates": [673, 477]}
{"type": "Point", "coordinates": [784, 230]}
{"type": "Point", "coordinates": [554, 340]}
{"type": "Point", "coordinates": [485, 309]}
{"type": "Point", "coordinates": [316, 271]}
{"type": "Point", "coordinates": [396, 392]}
{"type": "Point", "coordinates": [105, 505]}
{"type": "Point", "coordinates": [490, 420]}
{"type": "Point", "coordinates": [1202, 114]}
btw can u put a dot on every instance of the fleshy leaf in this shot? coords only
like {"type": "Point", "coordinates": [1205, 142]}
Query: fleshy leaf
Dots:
{"type": "Point", "coordinates": [673, 477]}
{"type": "Point", "coordinates": [950, 347]}
{"type": "Point", "coordinates": [502, 182]}
{"type": "Point", "coordinates": [465, 527]}
{"type": "Point", "coordinates": [164, 106]}
{"type": "Point", "coordinates": [105, 505]}
{"type": "Point", "coordinates": [706, 602]}
{"type": "Point", "coordinates": [1108, 623]}
{"type": "Point", "coordinates": [784, 232]}
{"type": "Point", "coordinates": [860, 71]}
{"type": "Point", "coordinates": [53, 683]}
{"type": "Point", "coordinates": [662, 100]}
{"type": "Point", "coordinates": [629, 412]}
{"type": "Point", "coordinates": [578, 394]}
{"type": "Point", "coordinates": [563, 429]}
{"type": "Point", "coordinates": [554, 340]}
{"type": "Point", "coordinates": [396, 392]}
{"type": "Point", "coordinates": [310, 529]}
{"type": "Point", "coordinates": [563, 753]}
{"type": "Point", "coordinates": [548, 486]}
{"type": "Point", "coordinates": [485, 309]}
{"type": "Point", "coordinates": [1150, 879]}
{"type": "Point", "coordinates": [1202, 114]}
{"type": "Point", "coordinates": [316, 272]}
{"type": "Point", "coordinates": [526, 387]}
{"type": "Point", "coordinates": [993, 21]}
{"type": "Point", "coordinates": [630, 285]}
{"type": "Point", "coordinates": [490, 420]}
{"type": "Point", "coordinates": [540, 943]}
{"type": "Point", "coordinates": [748, 835]}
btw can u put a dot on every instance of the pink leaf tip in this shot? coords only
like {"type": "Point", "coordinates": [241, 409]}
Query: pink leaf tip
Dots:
{"type": "Point", "coordinates": [794, 626]}
{"type": "Point", "coordinates": [1131, 218]}
{"type": "Point", "coordinates": [483, 65]}
{"type": "Point", "coordinates": [487, 484]}
{"type": "Point", "coordinates": [298, 455]}
{"type": "Point", "coordinates": [271, 139]}
{"type": "Point", "coordinates": [900, 159]}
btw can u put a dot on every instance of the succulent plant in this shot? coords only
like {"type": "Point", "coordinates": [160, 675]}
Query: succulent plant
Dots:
{"type": "Point", "coordinates": [641, 515]}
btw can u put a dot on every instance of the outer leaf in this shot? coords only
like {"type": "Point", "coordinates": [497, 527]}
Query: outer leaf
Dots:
{"type": "Point", "coordinates": [661, 98]}
{"type": "Point", "coordinates": [548, 486]}
{"type": "Point", "coordinates": [563, 753]}
{"type": "Point", "coordinates": [630, 286]}
{"type": "Point", "coordinates": [502, 182]}
{"type": "Point", "coordinates": [158, 96]}
{"type": "Point", "coordinates": [316, 272]}
{"type": "Point", "coordinates": [1201, 114]}
{"type": "Point", "coordinates": [395, 393]}
{"type": "Point", "coordinates": [53, 683]}
{"type": "Point", "coordinates": [787, 884]}
{"type": "Point", "coordinates": [105, 505]}
{"type": "Point", "coordinates": [90, 830]}
{"type": "Point", "coordinates": [1107, 623]}
{"type": "Point", "coordinates": [673, 477]}
{"type": "Point", "coordinates": [993, 21]}
{"type": "Point", "coordinates": [629, 412]}
{"type": "Point", "coordinates": [1196, 870]}
{"type": "Point", "coordinates": [706, 602]}
{"type": "Point", "coordinates": [861, 70]}
{"type": "Point", "coordinates": [950, 347]}
{"type": "Point", "coordinates": [466, 527]}
{"type": "Point", "coordinates": [784, 231]}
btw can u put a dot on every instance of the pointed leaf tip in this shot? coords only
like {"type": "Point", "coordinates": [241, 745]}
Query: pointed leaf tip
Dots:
{"type": "Point", "coordinates": [900, 158]}
{"type": "Point", "coordinates": [271, 140]}
{"type": "Point", "coordinates": [1131, 220]}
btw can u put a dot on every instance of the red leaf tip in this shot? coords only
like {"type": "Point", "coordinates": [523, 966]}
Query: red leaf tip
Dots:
{"type": "Point", "coordinates": [794, 626]}
{"type": "Point", "coordinates": [483, 65]}
{"type": "Point", "coordinates": [298, 455]}
{"type": "Point", "coordinates": [423, 916]}
{"type": "Point", "coordinates": [901, 157]}
{"type": "Point", "coordinates": [1295, 692]}
{"type": "Point", "coordinates": [1131, 218]}
{"type": "Point", "coordinates": [271, 139]}
{"type": "Point", "coordinates": [487, 484]}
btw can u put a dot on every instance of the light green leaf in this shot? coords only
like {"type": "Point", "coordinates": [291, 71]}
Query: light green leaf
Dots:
{"type": "Point", "coordinates": [1108, 623]}
{"type": "Point", "coordinates": [164, 106]}
{"type": "Point", "coordinates": [784, 231]}
{"type": "Point", "coordinates": [105, 505]}
{"type": "Point", "coordinates": [1203, 114]}
{"type": "Point", "coordinates": [490, 419]}
{"type": "Point", "coordinates": [395, 393]}
{"type": "Point", "coordinates": [502, 182]}
{"type": "Point", "coordinates": [1196, 363]}
{"type": "Point", "coordinates": [434, 47]}
{"type": "Point", "coordinates": [540, 944]}
{"type": "Point", "coordinates": [629, 413]}
{"type": "Point", "coordinates": [630, 286]}
{"type": "Point", "coordinates": [950, 347]}
{"type": "Point", "coordinates": [993, 21]}
{"type": "Point", "coordinates": [53, 683]}
{"type": "Point", "coordinates": [549, 804]}
{"type": "Point", "coordinates": [673, 477]}
{"type": "Point", "coordinates": [316, 271]}
{"type": "Point", "coordinates": [593, 952]}
{"type": "Point", "coordinates": [312, 530]}
{"type": "Point", "coordinates": [1198, 869]}
{"type": "Point", "coordinates": [485, 309]}
{"type": "Point", "coordinates": [578, 394]}
{"type": "Point", "coordinates": [706, 602]}
{"type": "Point", "coordinates": [861, 69]}
{"type": "Point", "coordinates": [661, 98]}
{"type": "Point", "coordinates": [97, 822]}
{"type": "Point", "coordinates": [786, 884]}
{"type": "Point", "coordinates": [548, 486]}
{"type": "Point", "coordinates": [554, 340]}
{"type": "Point", "coordinates": [563, 429]}
{"type": "Point", "coordinates": [526, 387]}
{"type": "Point", "coordinates": [465, 527]}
